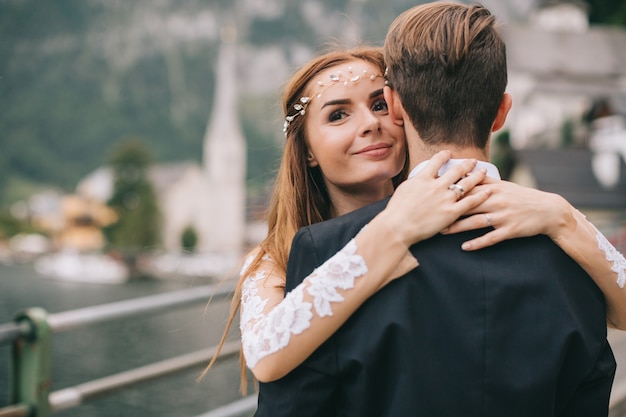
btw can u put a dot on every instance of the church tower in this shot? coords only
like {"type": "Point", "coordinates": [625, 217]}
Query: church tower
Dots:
{"type": "Point", "coordinates": [225, 155]}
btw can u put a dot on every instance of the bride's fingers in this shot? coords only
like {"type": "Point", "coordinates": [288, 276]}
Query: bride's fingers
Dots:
{"type": "Point", "coordinates": [431, 169]}
{"type": "Point", "coordinates": [458, 171]}
{"type": "Point", "coordinates": [476, 221]}
{"type": "Point", "coordinates": [471, 201]}
{"type": "Point", "coordinates": [472, 179]}
{"type": "Point", "coordinates": [490, 180]}
{"type": "Point", "coordinates": [484, 241]}
{"type": "Point", "coordinates": [465, 184]}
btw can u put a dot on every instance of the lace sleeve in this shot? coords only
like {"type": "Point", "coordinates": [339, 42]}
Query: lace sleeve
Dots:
{"type": "Point", "coordinates": [268, 320]}
{"type": "Point", "coordinates": [614, 257]}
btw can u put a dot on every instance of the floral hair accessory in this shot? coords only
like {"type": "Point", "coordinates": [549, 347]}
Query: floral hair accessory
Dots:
{"type": "Point", "coordinates": [300, 110]}
{"type": "Point", "coordinates": [303, 102]}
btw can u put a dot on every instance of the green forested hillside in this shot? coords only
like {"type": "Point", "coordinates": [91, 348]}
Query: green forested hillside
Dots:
{"type": "Point", "coordinates": [65, 100]}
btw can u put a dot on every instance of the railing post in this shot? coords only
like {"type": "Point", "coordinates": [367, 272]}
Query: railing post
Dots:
{"type": "Point", "coordinates": [31, 377]}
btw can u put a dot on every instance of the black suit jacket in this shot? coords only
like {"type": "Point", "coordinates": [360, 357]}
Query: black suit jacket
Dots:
{"type": "Point", "coordinates": [517, 329]}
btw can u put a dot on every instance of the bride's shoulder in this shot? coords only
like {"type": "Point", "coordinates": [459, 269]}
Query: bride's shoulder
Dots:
{"type": "Point", "coordinates": [256, 259]}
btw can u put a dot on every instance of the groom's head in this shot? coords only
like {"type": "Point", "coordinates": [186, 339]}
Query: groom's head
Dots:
{"type": "Point", "coordinates": [447, 64]}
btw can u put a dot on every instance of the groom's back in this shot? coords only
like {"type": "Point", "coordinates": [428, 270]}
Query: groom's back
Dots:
{"type": "Point", "coordinates": [513, 330]}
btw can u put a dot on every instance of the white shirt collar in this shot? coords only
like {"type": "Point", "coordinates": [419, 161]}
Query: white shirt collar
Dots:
{"type": "Point", "coordinates": [492, 170]}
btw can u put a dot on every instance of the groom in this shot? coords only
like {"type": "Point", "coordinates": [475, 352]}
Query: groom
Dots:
{"type": "Point", "coordinates": [517, 329]}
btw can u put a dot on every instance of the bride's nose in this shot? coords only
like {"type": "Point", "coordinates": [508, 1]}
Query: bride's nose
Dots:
{"type": "Point", "coordinates": [370, 123]}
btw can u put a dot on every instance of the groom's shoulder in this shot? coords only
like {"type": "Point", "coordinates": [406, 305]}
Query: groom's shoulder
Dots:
{"type": "Point", "coordinates": [314, 244]}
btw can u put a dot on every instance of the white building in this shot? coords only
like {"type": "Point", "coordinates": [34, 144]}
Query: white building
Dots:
{"type": "Point", "coordinates": [558, 66]}
{"type": "Point", "coordinates": [210, 197]}
{"type": "Point", "coordinates": [560, 69]}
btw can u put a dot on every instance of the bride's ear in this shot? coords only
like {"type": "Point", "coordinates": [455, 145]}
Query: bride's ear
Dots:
{"type": "Point", "coordinates": [311, 160]}
{"type": "Point", "coordinates": [394, 105]}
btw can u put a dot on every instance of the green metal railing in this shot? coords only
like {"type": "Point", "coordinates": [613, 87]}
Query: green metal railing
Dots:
{"type": "Point", "coordinates": [31, 333]}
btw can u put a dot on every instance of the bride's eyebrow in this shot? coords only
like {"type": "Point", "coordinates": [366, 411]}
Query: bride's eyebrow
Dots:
{"type": "Point", "coordinates": [373, 94]}
{"type": "Point", "coordinates": [376, 93]}
{"type": "Point", "coordinates": [335, 102]}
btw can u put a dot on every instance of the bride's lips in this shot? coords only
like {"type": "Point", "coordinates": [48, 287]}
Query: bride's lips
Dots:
{"type": "Point", "coordinates": [377, 150]}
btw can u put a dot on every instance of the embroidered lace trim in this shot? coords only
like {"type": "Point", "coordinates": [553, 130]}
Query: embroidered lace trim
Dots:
{"type": "Point", "coordinates": [265, 333]}
{"type": "Point", "coordinates": [613, 255]}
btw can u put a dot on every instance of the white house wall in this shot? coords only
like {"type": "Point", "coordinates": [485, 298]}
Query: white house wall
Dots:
{"type": "Point", "coordinates": [184, 204]}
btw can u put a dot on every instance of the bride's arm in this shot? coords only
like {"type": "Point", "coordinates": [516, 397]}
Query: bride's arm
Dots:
{"type": "Point", "coordinates": [279, 332]}
{"type": "Point", "coordinates": [516, 211]}
{"type": "Point", "coordinates": [601, 260]}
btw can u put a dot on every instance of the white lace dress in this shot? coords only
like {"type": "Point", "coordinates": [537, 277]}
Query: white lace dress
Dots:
{"type": "Point", "coordinates": [614, 257]}
{"type": "Point", "coordinates": [269, 319]}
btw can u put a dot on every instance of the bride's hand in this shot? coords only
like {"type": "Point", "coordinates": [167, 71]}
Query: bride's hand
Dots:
{"type": "Point", "coordinates": [426, 203]}
{"type": "Point", "coordinates": [514, 211]}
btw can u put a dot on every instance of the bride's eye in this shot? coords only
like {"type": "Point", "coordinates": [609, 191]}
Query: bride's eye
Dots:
{"type": "Point", "coordinates": [337, 115]}
{"type": "Point", "coordinates": [380, 105]}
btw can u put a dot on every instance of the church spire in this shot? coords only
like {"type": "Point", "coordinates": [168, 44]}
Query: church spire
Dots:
{"type": "Point", "coordinates": [225, 151]}
{"type": "Point", "coordinates": [223, 139]}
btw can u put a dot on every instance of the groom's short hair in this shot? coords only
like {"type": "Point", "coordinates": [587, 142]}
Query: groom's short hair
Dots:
{"type": "Point", "coordinates": [447, 63]}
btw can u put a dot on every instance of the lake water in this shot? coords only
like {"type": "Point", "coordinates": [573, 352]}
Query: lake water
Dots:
{"type": "Point", "coordinates": [82, 355]}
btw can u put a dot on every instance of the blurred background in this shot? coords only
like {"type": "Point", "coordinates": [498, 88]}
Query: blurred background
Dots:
{"type": "Point", "coordinates": [139, 139]}
{"type": "Point", "coordinates": [123, 125]}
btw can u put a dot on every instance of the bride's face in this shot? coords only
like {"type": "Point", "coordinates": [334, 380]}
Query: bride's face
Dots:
{"type": "Point", "coordinates": [351, 136]}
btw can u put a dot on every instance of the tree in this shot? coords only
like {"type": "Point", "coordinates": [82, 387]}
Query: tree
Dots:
{"type": "Point", "coordinates": [610, 12]}
{"type": "Point", "coordinates": [189, 239]}
{"type": "Point", "coordinates": [134, 200]}
{"type": "Point", "coordinates": [502, 154]}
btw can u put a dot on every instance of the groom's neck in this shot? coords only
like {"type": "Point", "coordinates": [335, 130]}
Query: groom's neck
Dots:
{"type": "Point", "coordinates": [420, 151]}
{"type": "Point", "coordinates": [420, 154]}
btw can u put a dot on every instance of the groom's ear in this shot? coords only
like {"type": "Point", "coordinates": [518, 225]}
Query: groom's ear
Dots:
{"type": "Point", "coordinates": [503, 111]}
{"type": "Point", "coordinates": [394, 105]}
